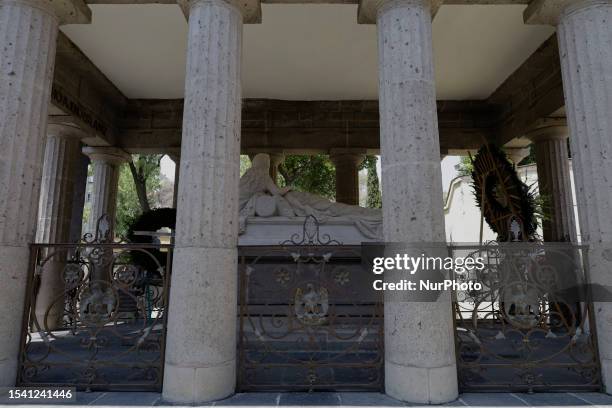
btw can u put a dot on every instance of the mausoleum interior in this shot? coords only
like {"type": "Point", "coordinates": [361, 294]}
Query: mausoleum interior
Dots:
{"type": "Point", "coordinates": [247, 285]}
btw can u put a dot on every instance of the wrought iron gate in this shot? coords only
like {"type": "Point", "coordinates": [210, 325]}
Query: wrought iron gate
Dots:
{"type": "Point", "coordinates": [307, 319]}
{"type": "Point", "coordinates": [95, 315]}
{"type": "Point", "coordinates": [531, 326]}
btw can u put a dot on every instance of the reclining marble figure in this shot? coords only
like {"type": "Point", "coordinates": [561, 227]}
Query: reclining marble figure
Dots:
{"type": "Point", "coordinates": [261, 197]}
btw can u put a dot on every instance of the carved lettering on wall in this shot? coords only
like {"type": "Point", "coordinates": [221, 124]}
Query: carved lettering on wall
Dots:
{"type": "Point", "coordinates": [74, 108]}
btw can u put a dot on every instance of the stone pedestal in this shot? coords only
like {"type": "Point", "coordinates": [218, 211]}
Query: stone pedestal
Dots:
{"type": "Point", "coordinates": [200, 360]}
{"type": "Point", "coordinates": [106, 162]}
{"type": "Point", "coordinates": [554, 181]}
{"type": "Point", "coordinates": [584, 33]}
{"type": "Point", "coordinates": [419, 343]}
{"type": "Point", "coordinates": [347, 176]}
{"type": "Point", "coordinates": [62, 156]}
{"type": "Point", "coordinates": [28, 32]}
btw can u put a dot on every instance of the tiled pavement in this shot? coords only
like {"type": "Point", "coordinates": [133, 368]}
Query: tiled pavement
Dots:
{"type": "Point", "coordinates": [122, 399]}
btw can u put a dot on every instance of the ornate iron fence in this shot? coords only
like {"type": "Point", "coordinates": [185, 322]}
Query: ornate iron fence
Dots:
{"type": "Point", "coordinates": [531, 326]}
{"type": "Point", "coordinates": [307, 318]}
{"type": "Point", "coordinates": [95, 314]}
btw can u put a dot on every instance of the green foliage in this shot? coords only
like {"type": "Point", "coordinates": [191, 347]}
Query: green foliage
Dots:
{"type": "Point", "coordinates": [315, 174]}
{"type": "Point", "coordinates": [501, 194]}
{"type": "Point", "coordinates": [465, 166]}
{"type": "Point", "coordinates": [374, 198]}
{"type": "Point", "coordinates": [128, 204]}
{"type": "Point", "coordinates": [245, 163]}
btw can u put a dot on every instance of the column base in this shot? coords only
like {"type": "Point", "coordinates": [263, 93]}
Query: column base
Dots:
{"type": "Point", "coordinates": [200, 362]}
{"type": "Point", "coordinates": [8, 372]}
{"type": "Point", "coordinates": [13, 277]}
{"type": "Point", "coordinates": [436, 385]}
{"type": "Point", "coordinates": [184, 384]}
{"type": "Point", "coordinates": [49, 306]}
{"type": "Point", "coordinates": [606, 375]}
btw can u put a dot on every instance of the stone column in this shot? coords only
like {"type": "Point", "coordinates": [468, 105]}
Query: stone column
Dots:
{"type": "Point", "coordinates": [420, 362]}
{"type": "Point", "coordinates": [347, 175]}
{"type": "Point", "coordinates": [106, 162]}
{"type": "Point", "coordinates": [200, 361]}
{"type": "Point", "coordinates": [176, 158]}
{"type": "Point", "coordinates": [80, 189]}
{"type": "Point", "coordinates": [554, 181]}
{"type": "Point", "coordinates": [28, 32]}
{"type": "Point", "coordinates": [584, 31]}
{"type": "Point", "coordinates": [62, 156]}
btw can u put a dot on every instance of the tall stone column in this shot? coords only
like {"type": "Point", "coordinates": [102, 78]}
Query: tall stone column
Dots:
{"type": "Point", "coordinates": [200, 360]}
{"type": "Point", "coordinates": [62, 156]}
{"type": "Point", "coordinates": [28, 32]}
{"type": "Point", "coordinates": [419, 340]}
{"type": "Point", "coordinates": [584, 31]}
{"type": "Point", "coordinates": [176, 158]}
{"type": "Point", "coordinates": [347, 175]}
{"type": "Point", "coordinates": [80, 189]}
{"type": "Point", "coordinates": [106, 162]}
{"type": "Point", "coordinates": [554, 181]}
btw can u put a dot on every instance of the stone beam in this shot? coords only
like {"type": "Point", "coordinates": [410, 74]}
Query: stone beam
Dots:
{"type": "Point", "coordinates": [82, 95]}
{"type": "Point", "coordinates": [302, 126]}
{"type": "Point", "coordinates": [534, 91]}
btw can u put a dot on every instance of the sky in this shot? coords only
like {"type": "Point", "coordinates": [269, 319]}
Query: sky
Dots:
{"type": "Point", "coordinates": [448, 169]}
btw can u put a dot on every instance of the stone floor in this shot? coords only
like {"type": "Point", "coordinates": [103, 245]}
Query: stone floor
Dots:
{"type": "Point", "coordinates": [122, 399]}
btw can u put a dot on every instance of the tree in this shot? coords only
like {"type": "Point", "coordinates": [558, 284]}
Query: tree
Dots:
{"type": "Point", "coordinates": [374, 198]}
{"type": "Point", "coordinates": [465, 167]}
{"type": "Point", "coordinates": [139, 182]}
{"type": "Point", "coordinates": [245, 163]}
{"type": "Point", "coordinates": [144, 167]}
{"type": "Point", "coordinates": [315, 174]}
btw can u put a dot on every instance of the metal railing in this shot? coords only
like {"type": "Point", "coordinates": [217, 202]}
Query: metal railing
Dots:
{"type": "Point", "coordinates": [531, 327]}
{"type": "Point", "coordinates": [95, 315]}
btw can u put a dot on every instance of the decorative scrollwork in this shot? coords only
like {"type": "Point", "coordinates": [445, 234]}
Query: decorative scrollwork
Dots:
{"type": "Point", "coordinates": [97, 304]}
{"type": "Point", "coordinates": [311, 305]}
{"type": "Point", "coordinates": [92, 312]}
{"type": "Point", "coordinates": [525, 330]}
{"type": "Point", "coordinates": [305, 322]}
{"type": "Point", "coordinates": [310, 235]}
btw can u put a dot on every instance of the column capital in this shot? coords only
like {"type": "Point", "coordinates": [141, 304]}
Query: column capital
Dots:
{"type": "Point", "coordinates": [516, 154]}
{"type": "Point", "coordinates": [548, 130]}
{"type": "Point", "coordinates": [354, 156]}
{"type": "Point", "coordinates": [549, 12]}
{"type": "Point", "coordinates": [174, 154]}
{"type": "Point", "coordinates": [368, 9]}
{"type": "Point", "coordinates": [276, 158]}
{"type": "Point", "coordinates": [67, 131]}
{"type": "Point", "coordinates": [250, 9]}
{"type": "Point", "coordinates": [110, 155]}
{"type": "Point", "coordinates": [66, 11]}
{"type": "Point", "coordinates": [267, 150]}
